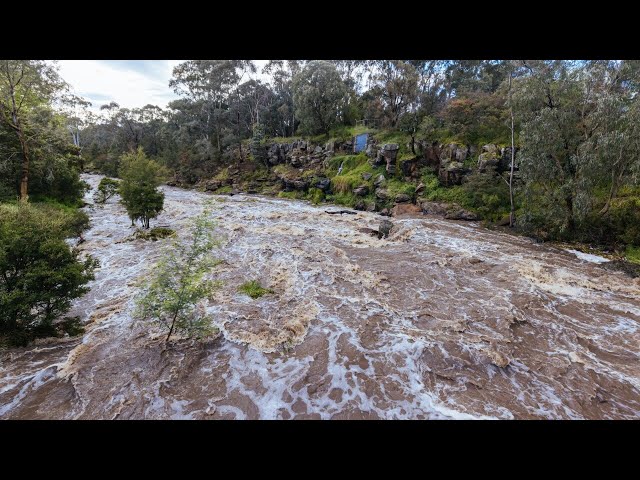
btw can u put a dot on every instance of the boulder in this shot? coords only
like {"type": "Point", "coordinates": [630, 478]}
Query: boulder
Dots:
{"type": "Point", "coordinates": [451, 211]}
{"type": "Point", "coordinates": [405, 209]}
{"type": "Point", "coordinates": [420, 188]}
{"type": "Point", "coordinates": [360, 205]}
{"type": "Point", "coordinates": [382, 194]}
{"type": "Point", "coordinates": [452, 173]}
{"type": "Point", "coordinates": [371, 151]}
{"type": "Point", "coordinates": [505, 160]}
{"type": "Point", "coordinates": [369, 231]}
{"type": "Point", "coordinates": [402, 198]}
{"type": "Point", "coordinates": [384, 229]}
{"type": "Point", "coordinates": [490, 148]}
{"type": "Point", "coordinates": [380, 181]}
{"type": "Point", "coordinates": [378, 160]}
{"type": "Point", "coordinates": [367, 176]}
{"type": "Point", "coordinates": [390, 152]}
{"type": "Point", "coordinates": [385, 212]}
{"type": "Point", "coordinates": [489, 161]}
{"type": "Point", "coordinates": [212, 185]}
{"type": "Point", "coordinates": [296, 161]}
{"type": "Point", "coordinates": [322, 183]}
{"type": "Point", "coordinates": [410, 167]}
{"type": "Point", "coordinates": [289, 185]}
{"type": "Point", "coordinates": [434, 208]}
{"type": "Point", "coordinates": [361, 191]}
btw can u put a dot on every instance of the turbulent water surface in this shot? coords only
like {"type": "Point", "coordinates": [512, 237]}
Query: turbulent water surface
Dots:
{"type": "Point", "coordinates": [441, 320]}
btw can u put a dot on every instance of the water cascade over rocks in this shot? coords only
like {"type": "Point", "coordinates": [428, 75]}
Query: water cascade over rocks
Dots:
{"type": "Point", "coordinates": [439, 320]}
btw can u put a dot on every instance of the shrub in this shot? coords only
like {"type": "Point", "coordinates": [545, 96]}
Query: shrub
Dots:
{"type": "Point", "coordinates": [139, 187]}
{"type": "Point", "coordinates": [179, 283]}
{"type": "Point", "coordinates": [39, 273]}
{"type": "Point", "coordinates": [107, 188]}
{"type": "Point", "coordinates": [254, 289]}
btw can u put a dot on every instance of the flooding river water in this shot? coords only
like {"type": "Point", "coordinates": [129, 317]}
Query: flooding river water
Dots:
{"type": "Point", "coordinates": [442, 320]}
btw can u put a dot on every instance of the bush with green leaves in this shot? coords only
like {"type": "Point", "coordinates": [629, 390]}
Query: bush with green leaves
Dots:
{"type": "Point", "coordinates": [40, 274]}
{"type": "Point", "coordinates": [107, 188]}
{"type": "Point", "coordinates": [139, 192]}
{"type": "Point", "coordinates": [180, 283]}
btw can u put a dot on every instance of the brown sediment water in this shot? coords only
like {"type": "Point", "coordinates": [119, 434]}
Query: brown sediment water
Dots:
{"type": "Point", "coordinates": [442, 320]}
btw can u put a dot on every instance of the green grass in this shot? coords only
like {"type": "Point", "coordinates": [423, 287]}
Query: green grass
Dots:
{"type": "Point", "coordinates": [254, 289]}
{"type": "Point", "coordinates": [632, 254]}
{"type": "Point", "coordinates": [395, 187]}
{"type": "Point", "coordinates": [224, 189]}
{"type": "Point", "coordinates": [294, 195]}
{"type": "Point", "coordinates": [315, 195]}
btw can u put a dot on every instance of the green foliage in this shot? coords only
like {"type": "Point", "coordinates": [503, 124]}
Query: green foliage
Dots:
{"type": "Point", "coordinates": [179, 283]}
{"type": "Point", "coordinates": [477, 118]}
{"type": "Point", "coordinates": [39, 273]}
{"type": "Point", "coordinates": [632, 254]}
{"type": "Point", "coordinates": [154, 234]}
{"type": "Point", "coordinates": [315, 195]}
{"type": "Point", "coordinates": [258, 145]}
{"type": "Point", "coordinates": [395, 187]}
{"type": "Point", "coordinates": [319, 96]}
{"type": "Point", "coordinates": [254, 289]}
{"type": "Point", "coordinates": [107, 188]}
{"type": "Point", "coordinates": [139, 187]}
{"type": "Point", "coordinates": [225, 189]}
{"type": "Point", "coordinates": [293, 195]}
{"type": "Point", "coordinates": [487, 195]}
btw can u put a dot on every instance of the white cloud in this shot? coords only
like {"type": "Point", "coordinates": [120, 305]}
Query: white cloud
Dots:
{"type": "Point", "coordinates": [103, 81]}
{"type": "Point", "coordinates": [129, 83]}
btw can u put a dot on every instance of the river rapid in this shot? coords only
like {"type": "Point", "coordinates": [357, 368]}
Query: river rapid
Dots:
{"type": "Point", "coordinates": [442, 320]}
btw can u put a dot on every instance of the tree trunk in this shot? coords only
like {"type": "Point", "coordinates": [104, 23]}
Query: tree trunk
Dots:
{"type": "Point", "coordinates": [571, 225]}
{"type": "Point", "coordinates": [24, 182]}
{"type": "Point", "coordinates": [173, 323]}
{"type": "Point", "coordinates": [512, 213]}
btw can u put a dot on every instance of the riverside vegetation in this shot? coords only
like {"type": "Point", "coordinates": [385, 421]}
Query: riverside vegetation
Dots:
{"type": "Point", "coordinates": [441, 137]}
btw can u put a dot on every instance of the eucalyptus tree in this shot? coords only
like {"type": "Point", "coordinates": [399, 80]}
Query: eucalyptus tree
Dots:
{"type": "Point", "coordinates": [210, 82]}
{"type": "Point", "coordinates": [397, 81]}
{"type": "Point", "coordinates": [23, 85]}
{"type": "Point", "coordinates": [319, 96]}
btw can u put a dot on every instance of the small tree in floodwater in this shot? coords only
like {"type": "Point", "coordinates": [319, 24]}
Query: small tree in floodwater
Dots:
{"type": "Point", "coordinates": [107, 188]}
{"type": "Point", "coordinates": [138, 189]}
{"type": "Point", "coordinates": [179, 284]}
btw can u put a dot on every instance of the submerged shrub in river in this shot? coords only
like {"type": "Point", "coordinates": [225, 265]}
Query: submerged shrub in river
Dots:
{"type": "Point", "coordinates": [179, 283]}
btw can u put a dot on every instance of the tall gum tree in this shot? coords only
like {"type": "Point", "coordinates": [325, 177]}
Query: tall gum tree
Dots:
{"type": "Point", "coordinates": [23, 85]}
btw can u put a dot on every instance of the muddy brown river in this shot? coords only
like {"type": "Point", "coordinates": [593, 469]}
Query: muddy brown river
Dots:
{"type": "Point", "coordinates": [442, 320]}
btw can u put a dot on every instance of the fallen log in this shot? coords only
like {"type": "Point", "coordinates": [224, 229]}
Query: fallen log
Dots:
{"type": "Point", "coordinates": [349, 212]}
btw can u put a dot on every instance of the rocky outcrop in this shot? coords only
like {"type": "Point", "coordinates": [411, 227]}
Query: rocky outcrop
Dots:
{"type": "Point", "coordinates": [451, 169]}
{"type": "Point", "coordinates": [408, 209]}
{"type": "Point", "coordinates": [411, 167]}
{"type": "Point", "coordinates": [382, 194]}
{"type": "Point", "coordinates": [451, 211]}
{"type": "Point", "coordinates": [289, 185]}
{"type": "Point", "coordinates": [361, 191]}
{"type": "Point", "coordinates": [302, 153]}
{"type": "Point", "coordinates": [323, 183]}
{"type": "Point", "coordinates": [390, 152]}
{"type": "Point", "coordinates": [384, 229]}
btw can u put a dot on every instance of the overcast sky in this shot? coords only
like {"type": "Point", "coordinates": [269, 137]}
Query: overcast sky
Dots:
{"type": "Point", "coordinates": [130, 83]}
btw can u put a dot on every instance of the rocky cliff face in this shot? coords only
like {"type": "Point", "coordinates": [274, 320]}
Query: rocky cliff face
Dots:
{"type": "Point", "coordinates": [301, 165]}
